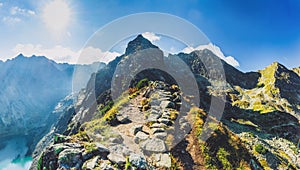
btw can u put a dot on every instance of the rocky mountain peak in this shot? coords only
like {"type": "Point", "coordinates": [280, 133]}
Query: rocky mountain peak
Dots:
{"type": "Point", "coordinates": [273, 72]}
{"type": "Point", "coordinates": [20, 55]}
{"type": "Point", "coordinates": [277, 67]}
{"type": "Point", "coordinates": [297, 70]}
{"type": "Point", "coordinates": [139, 43]}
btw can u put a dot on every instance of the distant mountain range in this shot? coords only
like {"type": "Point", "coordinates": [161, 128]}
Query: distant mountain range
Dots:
{"type": "Point", "coordinates": [31, 87]}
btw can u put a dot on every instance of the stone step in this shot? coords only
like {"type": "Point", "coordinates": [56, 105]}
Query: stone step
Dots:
{"type": "Point", "coordinates": [157, 130]}
{"type": "Point", "coordinates": [153, 145]}
{"type": "Point", "coordinates": [140, 136]}
{"type": "Point", "coordinates": [164, 99]}
{"type": "Point", "coordinates": [161, 135]}
{"type": "Point", "coordinates": [156, 107]}
{"type": "Point", "coordinates": [167, 104]}
{"type": "Point", "coordinates": [165, 121]}
{"type": "Point", "coordinates": [163, 160]}
{"type": "Point", "coordinates": [153, 117]}
{"type": "Point", "coordinates": [135, 129]}
{"type": "Point", "coordinates": [153, 111]}
{"type": "Point", "coordinates": [158, 125]}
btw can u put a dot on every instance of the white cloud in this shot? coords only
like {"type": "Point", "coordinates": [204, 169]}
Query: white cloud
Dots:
{"type": "Point", "coordinates": [216, 50]}
{"type": "Point", "coordinates": [66, 55]}
{"type": "Point", "coordinates": [31, 12]}
{"type": "Point", "coordinates": [16, 15]}
{"type": "Point", "coordinates": [11, 20]}
{"type": "Point", "coordinates": [20, 11]}
{"type": "Point", "coordinates": [151, 36]}
{"type": "Point", "coordinates": [95, 54]}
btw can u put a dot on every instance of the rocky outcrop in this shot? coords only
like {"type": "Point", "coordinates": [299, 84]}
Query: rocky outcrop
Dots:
{"type": "Point", "coordinates": [71, 155]}
{"type": "Point", "coordinates": [138, 44]}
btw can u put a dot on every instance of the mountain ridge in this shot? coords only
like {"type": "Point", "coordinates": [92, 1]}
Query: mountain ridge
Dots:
{"type": "Point", "coordinates": [259, 128]}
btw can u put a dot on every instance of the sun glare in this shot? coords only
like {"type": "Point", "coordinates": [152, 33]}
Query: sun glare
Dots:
{"type": "Point", "coordinates": [56, 15]}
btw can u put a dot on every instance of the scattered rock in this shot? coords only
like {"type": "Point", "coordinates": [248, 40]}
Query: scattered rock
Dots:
{"type": "Point", "coordinates": [91, 164]}
{"type": "Point", "coordinates": [161, 135]}
{"type": "Point", "coordinates": [155, 102]}
{"type": "Point", "coordinates": [101, 148]}
{"type": "Point", "coordinates": [117, 140]}
{"type": "Point", "coordinates": [140, 136]}
{"type": "Point", "coordinates": [138, 161]}
{"type": "Point", "coordinates": [157, 130]}
{"type": "Point", "coordinates": [59, 148]}
{"type": "Point", "coordinates": [166, 99]}
{"type": "Point", "coordinates": [123, 118]}
{"type": "Point", "coordinates": [70, 158]}
{"type": "Point", "coordinates": [106, 165]}
{"type": "Point", "coordinates": [158, 125]}
{"type": "Point", "coordinates": [165, 121]}
{"type": "Point", "coordinates": [153, 117]}
{"type": "Point", "coordinates": [154, 145]}
{"type": "Point", "coordinates": [157, 108]}
{"type": "Point", "coordinates": [135, 129]}
{"type": "Point", "coordinates": [153, 111]}
{"type": "Point", "coordinates": [165, 117]}
{"type": "Point", "coordinates": [147, 93]}
{"type": "Point", "coordinates": [166, 114]}
{"type": "Point", "coordinates": [120, 149]}
{"type": "Point", "coordinates": [117, 158]}
{"type": "Point", "coordinates": [73, 145]}
{"type": "Point", "coordinates": [167, 104]}
{"type": "Point", "coordinates": [163, 160]}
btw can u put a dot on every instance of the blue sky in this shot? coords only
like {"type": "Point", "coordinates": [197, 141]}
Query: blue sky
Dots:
{"type": "Point", "coordinates": [254, 32]}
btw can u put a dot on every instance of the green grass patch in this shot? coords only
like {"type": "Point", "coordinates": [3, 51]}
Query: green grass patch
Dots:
{"type": "Point", "coordinates": [259, 148]}
{"type": "Point", "coordinates": [127, 164]}
{"type": "Point", "coordinates": [89, 147]}
{"type": "Point", "coordinates": [142, 83]}
{"type": "Point", "coordinates": [101, 127]}
{"type": "Point", "coordinates": [111, 113]}
{"type": "Point", "coordinates": [222, 157]}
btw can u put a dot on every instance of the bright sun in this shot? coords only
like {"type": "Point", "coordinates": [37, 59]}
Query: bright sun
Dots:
{"type": "Point", "coordinates": [56, 15]}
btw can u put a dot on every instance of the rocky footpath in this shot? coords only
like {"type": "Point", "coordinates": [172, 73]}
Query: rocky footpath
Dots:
{"type": "Point", "coordinates": [143, 136]}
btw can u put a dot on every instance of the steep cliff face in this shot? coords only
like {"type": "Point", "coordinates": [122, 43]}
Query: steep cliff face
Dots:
{"type": "Point", "coordinates": [297, 70]}
{"type": "Point", "coordinates": [25, 82]}
{"type": "Point", "coordinates": [267, 116]}
{"type": "Point", "coordinates": [259, 128]}
{"type": "Point", "coordinates": [31, 87]}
